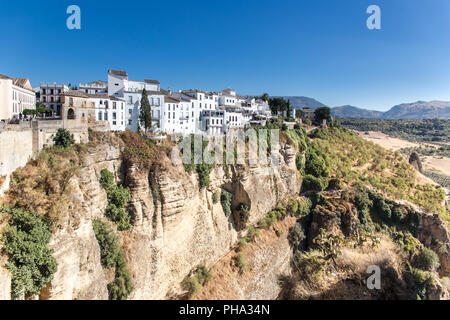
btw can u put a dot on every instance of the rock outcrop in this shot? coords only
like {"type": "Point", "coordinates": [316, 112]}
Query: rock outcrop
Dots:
{"type": "Point", "coordinates": [176, 225]}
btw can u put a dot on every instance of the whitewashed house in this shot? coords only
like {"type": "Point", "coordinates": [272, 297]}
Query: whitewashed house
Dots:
{"type": "Point", "coordinates": [16, 95]}
{"type": "Point", "coordinates": [95, 87]}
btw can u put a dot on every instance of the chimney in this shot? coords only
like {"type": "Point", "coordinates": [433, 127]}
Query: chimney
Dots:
{"type": "Point", "coordinates": [170, 91]}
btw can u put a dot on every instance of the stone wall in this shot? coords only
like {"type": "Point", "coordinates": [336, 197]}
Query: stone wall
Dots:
{"type": "Point", "coordinates": [20, 142]}
{"type": "Point", "coordinates": [16, 148]}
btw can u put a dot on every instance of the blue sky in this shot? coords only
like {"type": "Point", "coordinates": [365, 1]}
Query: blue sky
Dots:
{"type": "Point", "coordinates": [321, 49]}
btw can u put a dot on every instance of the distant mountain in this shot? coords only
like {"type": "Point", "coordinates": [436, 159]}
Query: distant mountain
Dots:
{"type": "Point", "coordinates": [419, 110]}
{"type": "Point", "coordinates": [414, 111]}
{"type": "Point", "coordinates": [300, 102]}
{"type": "Point", "coordinates": [354, 112]}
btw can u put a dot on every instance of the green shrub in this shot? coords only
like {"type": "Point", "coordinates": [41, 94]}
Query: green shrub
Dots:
{"type": "Point", "coordinates": [106, 179]}
{"type": "Point", "coordinates": [199, 277]}
{"type": "Point", "coordinates": [216, 197]}
{"type": "Point", "coordinates": [122, 285]}
{"type": "Point", "coordinates": [335, 184]}
{"type": "Point", "coordinates": [203, 171]}
{"type": "Point", "coordinates": [29, 260]}
{"type": "Point", "coordinates": [427, 260]}
{"type": "Point", "coordinates": [244, 212]}
{"type": "Point", "coordinates": [118, 199]}
{"type": "Point", "coordinates": [112, 256]}
{"type": "Point", "coordinates": [304, 206]}
{"type": "Point", "coordinates": [292, 207]}
{"type": "Point", "coordinates": [108, 242]}
{"type": "Point", "coordinates": [311, 183]}
{"type": "Point", "coordinates": [241, 262]}
{"type": "Point", "coordinates": [297, 235]}
{"type": "Point", "coordinates": [300, 162]}
{"type": "Point", "coordinates": [316, 164]}
{"type": "Point", "coordinates": [422, 279]}
{"type": "Point", "coordinates": [243, 243]}
{"type": "Point", "coordinates": [252, 233]}
{"type": "Point", "coordinates": [226, 198]}
{"type": "Point", "coordinates": [63, 138]}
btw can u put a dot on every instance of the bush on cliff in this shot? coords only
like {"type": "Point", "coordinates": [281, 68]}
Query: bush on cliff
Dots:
{"type": "Point", "coordinates": [113, 256]}
{"type": "Point", "coordinates": [226, 198]}
{"type": "Point", "coordinates": [29, 260]}
{"type": "Point", "coordinates": [311, 183]}
{"type": "Point", "coordinates": [63, 138]}
{"type": "Point", "coordinates": [118, 198]}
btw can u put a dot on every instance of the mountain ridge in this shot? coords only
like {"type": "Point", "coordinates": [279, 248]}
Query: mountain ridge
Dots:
{"type": "Point", "coordinates": [418, 110]}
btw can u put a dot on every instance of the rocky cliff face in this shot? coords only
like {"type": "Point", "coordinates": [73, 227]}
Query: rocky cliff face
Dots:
{"type": "Point", "coordinates": [176, 225]}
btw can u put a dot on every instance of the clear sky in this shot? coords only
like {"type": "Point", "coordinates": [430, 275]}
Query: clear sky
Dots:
{"type": "Point", "coordinates": [316, 48]}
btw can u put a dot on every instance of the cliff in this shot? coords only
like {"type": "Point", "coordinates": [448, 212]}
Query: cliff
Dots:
{"type": "Point", "coordinates": [175, 224]}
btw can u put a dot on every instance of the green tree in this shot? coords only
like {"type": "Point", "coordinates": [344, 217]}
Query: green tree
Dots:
{"type": "Point", "coordinates": [63, 138]}
{"type": "Point", "coordinates": [265, 97]}
{"type": "Point", "coordinates": [29, 260]}
{"type": "Point", "coordinates": [145, 113]}
{"type": "Point", "coordinates": [323, 113]}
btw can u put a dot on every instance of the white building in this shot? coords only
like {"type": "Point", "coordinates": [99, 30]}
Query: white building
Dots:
{"type": "Point", "coordinates": [50, 96]}
{"type": "Point", "coordinates": [120, 86]}
{"type": "Point", "coordinates": [95, 87]}
{"type": "Point", "coordinates": [16, 95]}
{"type": "Point", "coordinates": [213, 122]}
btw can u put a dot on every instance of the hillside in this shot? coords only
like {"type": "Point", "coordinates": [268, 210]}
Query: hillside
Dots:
{"type": "Point", "coordinates": [301, 102]}
{"type": "Point", "coordinates": [419, 110]}
{"type": "Point", "coordinates": [354, 112]}
{"type": "Point", "coordinates": [116, 219]}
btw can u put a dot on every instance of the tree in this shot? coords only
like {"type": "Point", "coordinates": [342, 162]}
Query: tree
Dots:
{"type": "Point", "coordinates": [265, 97]}
{"type": "Point", "coordinates": [278, 105]}
{"type": "Point", "coordinates": [145, 113]}
{"type": "Point", "coordinates": [63, 138]}
{"type": "Point", "coordinates": [25, 242]}
{"type": "Point", "coordinates": [299, 113]}
{"type": "Point", "coordinates": [288, 109]}
{"type": "Point", "coordinates": [323, 113]}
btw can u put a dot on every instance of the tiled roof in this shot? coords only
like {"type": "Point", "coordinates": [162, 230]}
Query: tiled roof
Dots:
{"type": "Point", "coordinates": [118, 73]}
{"type": "Point", "coordinates": [151, 81]}
{"type": "Point", "coordinates": [171, 100]}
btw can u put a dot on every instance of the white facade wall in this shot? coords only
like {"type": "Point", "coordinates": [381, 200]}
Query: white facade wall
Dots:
{"type": "Point", "coordinates": [14, 99]}
{"type": "Point", "coordinates": [111, 110]}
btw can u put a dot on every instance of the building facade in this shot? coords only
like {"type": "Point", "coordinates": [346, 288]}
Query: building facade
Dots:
{"type": "Point", "coordinates": [50, 96]}
{"type": "Point", "coordinates": [16, 95]}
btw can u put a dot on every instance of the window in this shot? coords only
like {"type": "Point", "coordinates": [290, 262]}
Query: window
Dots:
{"type": "Point", "coordinates": [130, 100]}
{"type": "Point", "coordinates": [114, 116]}
{"type": "Point", "coordinates": [100, 116]}
{"type": "Point", "coordinates": [114, 105]}
{"type": "Point", "coordinates": [130, 112]}
{"type": "Point", "coordinates": [130, 122]}
{"type": "Point", "coordinates": [106, 116]}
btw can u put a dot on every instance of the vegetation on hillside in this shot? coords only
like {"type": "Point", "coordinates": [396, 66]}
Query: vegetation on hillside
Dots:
{"type": "Point", "coordinates": [113, 256]}
{"type": "Point", "coordinates": [353, 160]}
{"type": "Point", "coordinates": [30, 261]}
{"type": "Point", "coordinates": [118, 198]}
{"type": "Point", "coordinates": [433, 130]}
{"type": "Point", "coordinates": [43, 184]}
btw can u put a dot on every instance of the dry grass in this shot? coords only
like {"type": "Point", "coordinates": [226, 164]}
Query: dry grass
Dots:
{"type": "Point", "coordinates": [225, 272]}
